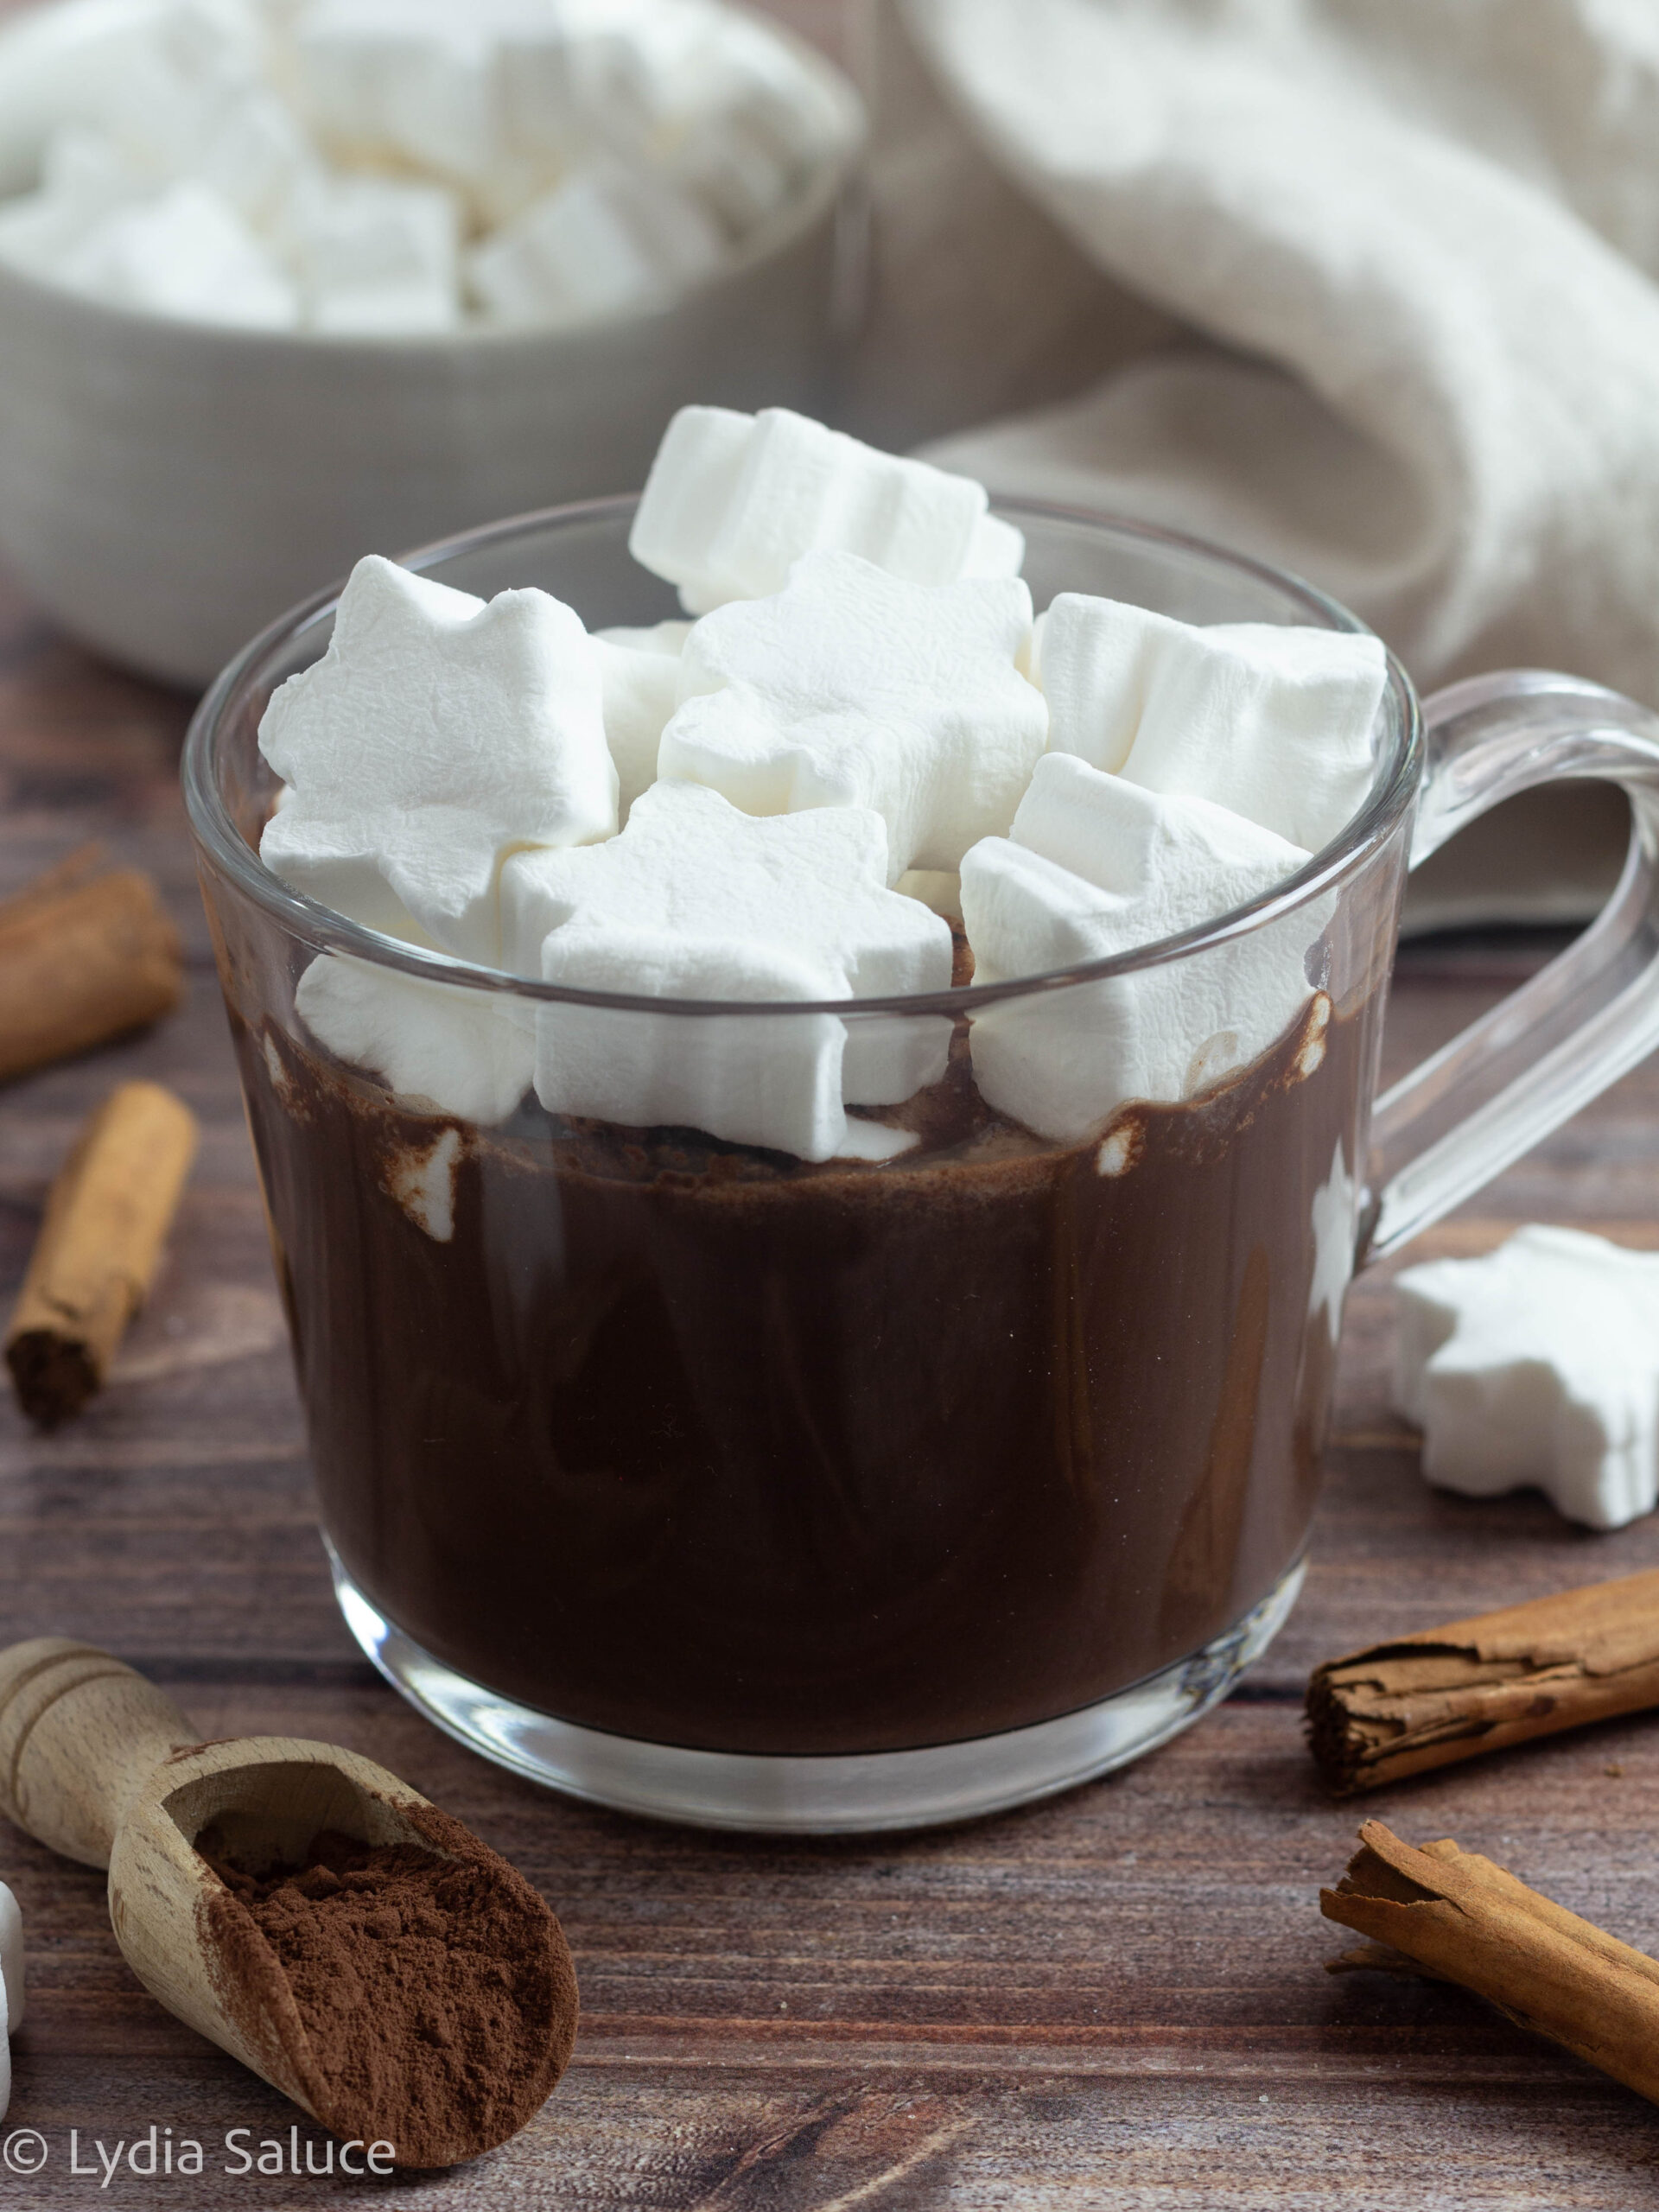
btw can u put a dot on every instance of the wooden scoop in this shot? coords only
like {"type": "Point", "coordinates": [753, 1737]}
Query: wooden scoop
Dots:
{"type": "Point", "coordinates": [97, 1763]}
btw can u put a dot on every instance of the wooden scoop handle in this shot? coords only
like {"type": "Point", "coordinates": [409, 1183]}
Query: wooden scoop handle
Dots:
{"type": "Point", "coordinates": [78, 1731]}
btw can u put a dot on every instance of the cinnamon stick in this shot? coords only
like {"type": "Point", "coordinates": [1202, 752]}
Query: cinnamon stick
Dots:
{"type": "Point", "coordinates": [107, 1217]}
{"type": "Point", "coordinates": [1475, 1686]}
{"type": "Point", "coordinates": [1461, 1918]}
{"type": "Point", "coordinates": [86, 953]}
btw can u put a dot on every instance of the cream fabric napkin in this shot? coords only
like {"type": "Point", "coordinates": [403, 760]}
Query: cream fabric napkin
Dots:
{"type": "Point", "coordinates": [1374, 281]}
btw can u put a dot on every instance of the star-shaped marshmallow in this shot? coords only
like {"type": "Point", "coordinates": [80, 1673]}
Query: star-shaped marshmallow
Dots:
{"type": "Point", "coordinates": [696, 900]}
{"type": "Point", "coordinates": [1538, 1364]}
{"type": "Point", "coordinates": [466, 1052]}
{"type": "Point", "coordinates": [438, 733]}
{"type": "Point", "coordinates": [852, 688]}
{"type": "Point", "coordinates": [1276, 723]}
{"type": "Point", "coordinates": [733, 500]}
{"type": "Point", "coordinates": [1096, 866]}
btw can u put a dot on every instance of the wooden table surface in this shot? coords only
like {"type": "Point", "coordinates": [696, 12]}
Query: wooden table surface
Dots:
{"type": "Point", "coordinates": [1113, 2000]}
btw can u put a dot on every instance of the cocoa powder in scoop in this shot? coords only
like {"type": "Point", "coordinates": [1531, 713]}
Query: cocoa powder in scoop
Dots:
{"type": "Point", "coordinates": [435, 1986]}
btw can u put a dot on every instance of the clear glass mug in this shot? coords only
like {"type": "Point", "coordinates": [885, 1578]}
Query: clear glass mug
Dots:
{"type": "Point", "coordinates": [705, 1483]}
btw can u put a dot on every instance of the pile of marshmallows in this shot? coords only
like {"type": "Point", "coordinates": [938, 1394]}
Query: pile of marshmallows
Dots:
{"type": "Point", "coordinates": [395, 167]}
{"type": "Point", "coordinates": [862, 731]}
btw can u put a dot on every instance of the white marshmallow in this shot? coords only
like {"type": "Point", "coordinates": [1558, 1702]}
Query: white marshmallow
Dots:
{"type": "Point", "coordinates": [733, 501]}
{"type": "Point", "coordinates": [11, 1960]}
{"type": "Point", "coordinates": [698, 900]}
{"type": "Point", "coordinates": [11, 1987]}
{"type": "Point", "coordinates": [375, 255]}
{"type": "Point", "coordinates": [653, 638]}
{"type": "Point", "coordinates": [84, 177]}
{"type": "Point", "coordinates": [710, 100]}
{"type": "Point", "coordinates": [252, 152]}
{"type": "Point", "coordinates": [1094, 867]}
{"type": "Point", "coordinates": [423, 1179]}
{"type": "Point", "coordinates": [890, 1057]}
{"type": "Point", "coordinates": [641, 690]}
{"type": "Point", "coordinates": [853, 688]}
{"type": "Point", "coordinates": [543, 116]}
{"type": "Point", "coordinates": [1276, 723]}
{"type": "Point", "coordinates": [184, 253]}
{"type": "Point", "coordinates": [49, 80]}
{"type": "Point", "coordinates": [604, 241]}
{"type": "Point", "coordinates": [469, 1052]}
{"type": "Point", "coordinates": [874, 1140]}
{"type": "Point", "coordinates": [646, 75]}
{"type": "Point", "coordinates": [409, 80]}
{"type": "Point", "coordinates": [1538, 1364]}
{"type": "Point", "coordinates": [156, 78]}
{"type": "Point", "coordinates": [436, 734]}
{"type": "Point", "coordinates": [737, 170]}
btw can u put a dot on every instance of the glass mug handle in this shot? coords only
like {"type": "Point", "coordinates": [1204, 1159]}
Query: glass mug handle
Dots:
{"type": "Point", "coordinates": [1587, 1019]}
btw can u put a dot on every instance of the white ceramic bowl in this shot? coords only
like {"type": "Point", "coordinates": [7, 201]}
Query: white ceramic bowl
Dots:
{"type": "Point", "coordinates": [168, 488]}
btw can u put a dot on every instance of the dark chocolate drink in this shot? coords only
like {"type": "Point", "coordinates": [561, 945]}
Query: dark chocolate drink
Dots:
{"type": "Point", "coordinates": [708, 1447]}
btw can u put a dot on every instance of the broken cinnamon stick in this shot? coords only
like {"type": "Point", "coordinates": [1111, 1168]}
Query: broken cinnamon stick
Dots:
{"type": "Point", "coordinates": [107, 1217]}
{"type": "Point", "coordinates": [1461, 1918]}
{"type": "Point", "coordinates": [1475, 1686]}
{"type": "Point", "coordinates": [86, 953]}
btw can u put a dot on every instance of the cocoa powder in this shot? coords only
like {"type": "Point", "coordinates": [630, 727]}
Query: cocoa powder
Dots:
{"type": "Point", "coordinates": [434, 1986]}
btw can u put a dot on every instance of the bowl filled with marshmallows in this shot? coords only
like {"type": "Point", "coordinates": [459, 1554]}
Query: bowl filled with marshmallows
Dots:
{"type": "Point", "coordinates": [285, 282]}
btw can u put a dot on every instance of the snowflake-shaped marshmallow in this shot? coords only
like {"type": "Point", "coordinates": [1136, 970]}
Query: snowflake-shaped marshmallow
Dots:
{"type": "Point", "coordinates": [854, 688]}
{"type": "Point", "coordinates": [696, 900]}
{"type": "Point", "coordinates": [438, 733]}
{"type": "Point", "coordinates": [1537, 1364]}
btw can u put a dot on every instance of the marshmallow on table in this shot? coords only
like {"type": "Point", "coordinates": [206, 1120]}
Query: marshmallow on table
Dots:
{"type": "Point", "coordinates": [11, 1987]}
{"type": "Point", "coordinates": [1537, 1364]}
{"type": "Point", "coordinates": [733, 501]}
{"type": "Point", "coordinates": [1094, 867]}
{"type": "Point", "coordinates": [436, 734]}
{"type": "Point", "coordinates": [854, 688]}
{"type": "Point", "coordinates": [1276, 723]}
{"type": "Point", "coordinates": [698, 900]}
{"type": "Point", "coordinates": [606, 239]}
{"type": "Point", "coordinates": [469, 1052]}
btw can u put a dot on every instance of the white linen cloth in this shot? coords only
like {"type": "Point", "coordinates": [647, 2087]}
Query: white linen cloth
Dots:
{"type": "Point", "coordinates": [1377, 295]}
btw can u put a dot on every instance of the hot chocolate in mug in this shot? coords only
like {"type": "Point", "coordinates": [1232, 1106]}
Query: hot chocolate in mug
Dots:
{"type": "Point", "coordinates": [709, 1483]}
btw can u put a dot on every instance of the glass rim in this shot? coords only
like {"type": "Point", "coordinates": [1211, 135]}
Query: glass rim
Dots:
{"type": "Point", "coordinates": [220, 845]}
